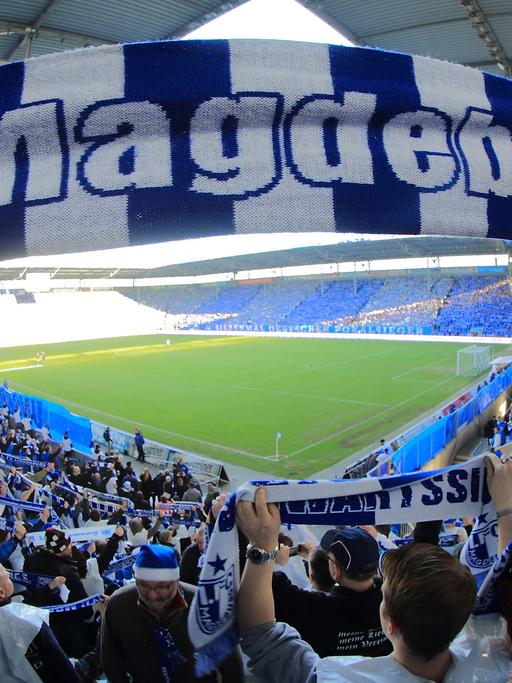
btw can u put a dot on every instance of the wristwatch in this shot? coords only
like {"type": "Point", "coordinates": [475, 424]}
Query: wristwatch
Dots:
{"type": "Point", "coordinates": [257, 555]}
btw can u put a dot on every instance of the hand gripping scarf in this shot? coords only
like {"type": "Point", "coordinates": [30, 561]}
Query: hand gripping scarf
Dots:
{"type": "Point", "coordinates": [457, 491]}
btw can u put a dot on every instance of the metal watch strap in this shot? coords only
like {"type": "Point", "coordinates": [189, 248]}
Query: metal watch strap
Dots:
{"type": "Point", "coordinates": [265, 555]}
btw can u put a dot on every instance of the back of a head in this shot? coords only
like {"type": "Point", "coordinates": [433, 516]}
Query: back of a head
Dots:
{"type": "Point", "coordinates": [355, 552]}
{"type": "Point", "coordinates": [165, 536]}
{"type": "Point", "coordinates": [428, 594]}
{"type": "Point", "coordinates": [135, 525]}
{"type": "Point", "coordinates": [319, 573]}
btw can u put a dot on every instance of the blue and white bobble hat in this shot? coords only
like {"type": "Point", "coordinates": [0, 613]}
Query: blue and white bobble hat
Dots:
{"type": "Point", "coordinates": [156, 563]}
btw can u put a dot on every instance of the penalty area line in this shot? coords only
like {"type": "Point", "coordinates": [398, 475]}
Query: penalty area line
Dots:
{"type": "Point", "coordinates": [368, 419]}
{"type": "Point", "coordinates": [310, 396]}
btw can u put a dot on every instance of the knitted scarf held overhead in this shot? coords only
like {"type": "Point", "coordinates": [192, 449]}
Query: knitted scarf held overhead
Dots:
{"type": "Point", "coordinates": [149, 142]}
{"type": "Point", "coordinates": [457, 491]}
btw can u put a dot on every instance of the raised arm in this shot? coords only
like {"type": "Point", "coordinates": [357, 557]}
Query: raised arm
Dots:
{"type": "Point", "coordinates": [260, 523]}
{"type": "Point", "coordinates": [276, 653]}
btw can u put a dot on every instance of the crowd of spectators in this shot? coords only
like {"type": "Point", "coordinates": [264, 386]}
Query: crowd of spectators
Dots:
{"type": "Point", "coordinates": [75, 492]}
{"type": "Point", "coordinates": [477, 304]}
{"type": "Point", "coordinates": [275, 302]}
{"type": "Point", "coordinates": [328, 596]}
{"type": "Point", "coordinates": [498, 431]}
{"type": "Point", "coordinates": [455, 305]}
{"type": "Point", "coordinates": [334, 301]}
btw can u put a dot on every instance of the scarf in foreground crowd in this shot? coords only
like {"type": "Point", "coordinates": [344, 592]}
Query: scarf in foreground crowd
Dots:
{"type": "Point", "coordinates": [457, 491]}
{"type": "Point", "coordinates": [244, 136]}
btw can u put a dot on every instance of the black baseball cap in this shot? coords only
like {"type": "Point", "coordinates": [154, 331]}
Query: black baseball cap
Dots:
{"type": "Point", "coordinates": [352, 547]}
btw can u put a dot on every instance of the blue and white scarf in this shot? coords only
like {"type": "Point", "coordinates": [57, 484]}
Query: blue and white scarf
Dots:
{"type": "Point", "coordinates": [170, 656]}
{"type": "Point", "coordinates": [445, 541]}
{"type": "Point", "coordinates": [70, 486]}
{"type": "Point", "coordinates": [487, 592]}
{"type": "Point", "coordinates": [168, 510]}
{"type": "Point", "coordinates": [31, 580]}
{"type": "Point", "coordinates": [95, 500]}
{"type": "Point", "coordinates": [73, 606]}
{"type": "Point", "coordinates": [7, 524]}
{"type": "Point", "coordinates": [95, 532]}
{"type": "Point", "coordinates": [116, 565]}
{"type": "Point", "coordinates": [21, 461]}
{"type": "Point", "coordinates": [101, 496]}
{"type": "Point", "coordinates": [106, 503]}
{"type": "Point", "coordinates": [119, 500]}
{"type": "Point", "coordinates": [21, 504]}
{"type": "Point", "coordinates": [457, 491]}
{"type": "Point", "coordinates": [249, 136]}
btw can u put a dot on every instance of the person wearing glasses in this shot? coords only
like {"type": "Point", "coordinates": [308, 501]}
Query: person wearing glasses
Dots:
{"type": "Point", "coordinates": [144, 633]}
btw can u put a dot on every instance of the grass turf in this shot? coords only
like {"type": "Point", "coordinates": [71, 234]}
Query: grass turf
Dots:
{"type": "Point", "coordinates": [228, 396]}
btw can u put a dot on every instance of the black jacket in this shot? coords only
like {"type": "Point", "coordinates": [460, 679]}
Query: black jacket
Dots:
{"type": "Point", "coordinates": [189, 571]}
{"type": "Point", "coordinates": [74, 635]}
{"type": "Point", "coordinates": [343, 622]}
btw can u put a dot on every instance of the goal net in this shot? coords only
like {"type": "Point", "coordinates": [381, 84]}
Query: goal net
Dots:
{"type": "Point", "coordinates": [473, 360]}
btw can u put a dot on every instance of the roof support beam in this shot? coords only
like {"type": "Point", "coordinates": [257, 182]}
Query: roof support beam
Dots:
{"type": "Point", "coordinates": [11, 28]}
{"type": "Point", "coordinates": [485, 32]}
{"type": "Point", "coordinates": [315, 6]}
{"type": "Point", "coordinates": [33, 28]}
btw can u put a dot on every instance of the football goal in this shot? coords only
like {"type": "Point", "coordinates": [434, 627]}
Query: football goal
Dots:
{"type": "Point", "coordinates": [473, 360]}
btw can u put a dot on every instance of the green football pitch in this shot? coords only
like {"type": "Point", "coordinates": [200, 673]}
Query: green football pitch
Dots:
{"type": "Point", "coordinates": [227, 397]}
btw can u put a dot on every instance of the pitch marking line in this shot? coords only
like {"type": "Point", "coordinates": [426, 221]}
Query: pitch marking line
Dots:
{"type": "Point", "coordinates": [212, 444]}
{"type": "Point", "coordinates": [420, 367]}
{"type": "Point", "coordinates": [314, 368]}
{"type": "Point", "coordinates": [362, 422]}
{"type": "Point", "coordinates": [228, 448]}
{"type": "Point", "coordinates": [414, 381]}
{"type": "Point", "coordinates": [144, 348]}
{"type": "Point", "coordinates": [22, 367]}
{"type": "Point", "coordinates": [320, 398]}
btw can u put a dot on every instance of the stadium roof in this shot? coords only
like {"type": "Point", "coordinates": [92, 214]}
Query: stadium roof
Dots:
{"type": "Point", "coordinates": [354, 251]}
{"type": "Point", "coordinates": [474, 32]}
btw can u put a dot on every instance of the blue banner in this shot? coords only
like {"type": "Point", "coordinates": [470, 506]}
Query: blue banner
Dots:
{"type": "Point", "coordinates": [427, 444]}
{"type": "Point", "coordinates": [45, 412]}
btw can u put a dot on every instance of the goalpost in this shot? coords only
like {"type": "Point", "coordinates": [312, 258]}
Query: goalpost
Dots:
{"type": "Point", "coordinates": [473, 360]}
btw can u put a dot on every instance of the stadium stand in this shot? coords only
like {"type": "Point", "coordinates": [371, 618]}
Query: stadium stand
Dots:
{"type": "Point", "coordinates": [477, 304]}
{"type": "Point", "coordinates": [449, 304]}
{"type": "Point", "coordinates": [333, 301]}
{"type": "Point", "coordinates": [23, 297]}
{"type": "Point", "coordinates": [275, 302]}
{"type": "Point", "coordinates": [445, 305]}
{"type": "Point", "coordinates": [405, 300]}
{"type": "Point", "coordinates": [61, 501]}
{"type": "Point", "coordinates": [229, 300]}
{"type": "Point", "coordinates": [169, 299]}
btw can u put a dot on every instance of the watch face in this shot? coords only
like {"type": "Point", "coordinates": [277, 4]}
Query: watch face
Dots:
{"type": "Point", "coordinates": [257, 555]}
